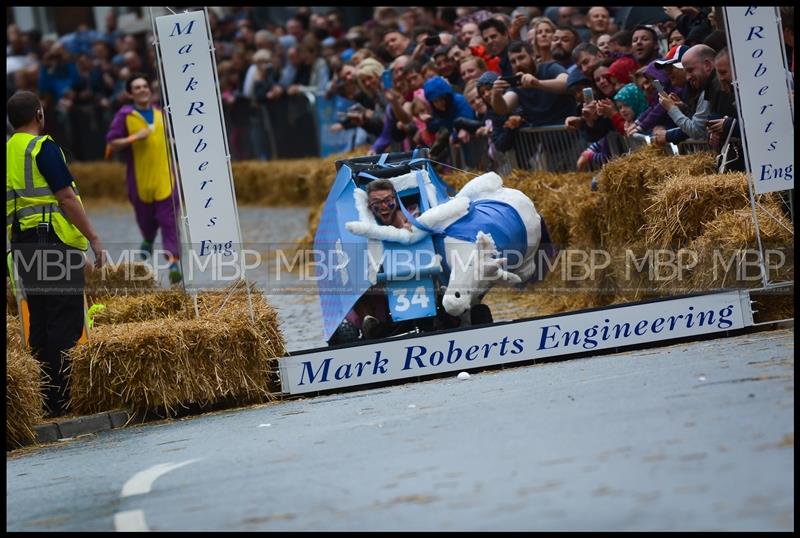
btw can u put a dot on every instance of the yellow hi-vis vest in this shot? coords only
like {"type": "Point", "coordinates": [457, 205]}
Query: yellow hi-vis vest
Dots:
{"type": "Point", "coordinates": [29, 198]}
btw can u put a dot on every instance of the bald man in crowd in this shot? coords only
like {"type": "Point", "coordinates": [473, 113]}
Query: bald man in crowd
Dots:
{"type": "Point", "coordinates": [698, 63]}
{"type": "Point", "coordinates": [597, 20]}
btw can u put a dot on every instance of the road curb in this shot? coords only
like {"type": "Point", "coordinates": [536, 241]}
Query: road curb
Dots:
{"type": "Point", "coordinates": [74, 426]}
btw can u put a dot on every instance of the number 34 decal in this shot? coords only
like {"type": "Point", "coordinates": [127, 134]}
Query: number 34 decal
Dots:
{"type": "Point", "coordinates": [419, 298]}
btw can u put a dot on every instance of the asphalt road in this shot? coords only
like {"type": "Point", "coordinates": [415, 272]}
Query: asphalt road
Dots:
{"type": "Point", "coordinates": [695, 436]}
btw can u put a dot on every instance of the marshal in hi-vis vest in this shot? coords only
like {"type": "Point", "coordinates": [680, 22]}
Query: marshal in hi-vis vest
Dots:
{"type": "Point", "coordinates": [28, 197]}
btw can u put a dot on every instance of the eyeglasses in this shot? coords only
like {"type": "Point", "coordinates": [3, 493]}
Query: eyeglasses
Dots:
{"type": "Point", "coordinates": [375, 206]}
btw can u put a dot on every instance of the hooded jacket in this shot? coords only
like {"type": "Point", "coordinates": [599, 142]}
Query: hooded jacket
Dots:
{"type": "Point", "coordinates": [457, 105]}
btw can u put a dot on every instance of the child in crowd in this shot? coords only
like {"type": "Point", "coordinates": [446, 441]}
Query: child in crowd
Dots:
{"type": "Point", "coordinates": [421, 113]}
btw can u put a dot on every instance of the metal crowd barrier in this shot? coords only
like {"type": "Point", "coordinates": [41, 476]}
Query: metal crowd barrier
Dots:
{"type": "Point", "coordinates": [550, 148]}
{"type": "Point", "coordinates": [472, 155]}
{"type": "Point", "coordinates": [693, 146]}
{"type": "Point", "coordinates": [282, 128]}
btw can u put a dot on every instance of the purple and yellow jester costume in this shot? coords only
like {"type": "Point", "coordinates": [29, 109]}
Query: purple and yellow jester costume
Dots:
{"type": "Point", "coordinates": [151, 188]}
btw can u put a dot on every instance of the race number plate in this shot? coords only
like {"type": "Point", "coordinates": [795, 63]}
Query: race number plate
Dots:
{"type": "Point", "coordinates": [411, 299]}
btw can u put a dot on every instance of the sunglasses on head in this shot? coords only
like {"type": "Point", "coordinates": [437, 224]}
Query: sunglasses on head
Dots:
{"type": "Point", "coordinates": [389, 202]}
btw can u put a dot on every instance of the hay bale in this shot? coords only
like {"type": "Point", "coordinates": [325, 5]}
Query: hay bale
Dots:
{"type": "Point", "coordinates": [730, 236]}
{"type": "Point", "coordinates": [11, 301]}
{"type": "Point", "coordinates": [314, 216]}
{"type": "Point", "coordinates": [625, 184]}
{"type": "Point", "coordinates": [154, 305]}
{"type": "Point", "coordinates": [24, 400]}
{"type": "Point", "coordinates": [555, 197]}
{"type": "Point", "coordinates": [130, 278]}
{"type": "Point", "coordinates": [586, 222]}
{"type": "Point", "coordinates": [683, 204]}
{"type": "Point", "coordinates": [169, 362]}
{"type": "Point", "coordinates": [772, 305]}
{"type": "Point", "coordinates": [100, 180]}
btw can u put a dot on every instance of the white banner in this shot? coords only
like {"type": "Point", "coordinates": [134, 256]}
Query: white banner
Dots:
{"type": "Point", "coordinates": [191, 92]}
{"type": "Point", "coordinates": [506, 343]}
{"type": "Point", "coordinates": [765, 110]}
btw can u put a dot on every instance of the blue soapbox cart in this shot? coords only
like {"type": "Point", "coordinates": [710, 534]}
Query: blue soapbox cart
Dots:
{"type": "Point", "coordinates": [411, 278]}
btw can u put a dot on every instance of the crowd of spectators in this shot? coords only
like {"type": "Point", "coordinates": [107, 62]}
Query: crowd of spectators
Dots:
{"type": "Point", "coordinates": [421, 76]}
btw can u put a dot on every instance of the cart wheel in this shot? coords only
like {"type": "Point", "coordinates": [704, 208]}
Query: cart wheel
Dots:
{"type": "Point", "coordinates": [480, 314]}
{"type": "Point", "coordinates": [346, 333]}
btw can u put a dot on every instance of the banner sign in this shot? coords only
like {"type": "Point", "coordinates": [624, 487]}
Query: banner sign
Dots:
{"type": "Point", "coordinates": [506, 343]}
{"type": "Point", "coordinates": [191, 92]}
{"type": "Point", "coordinates": [760, 74]}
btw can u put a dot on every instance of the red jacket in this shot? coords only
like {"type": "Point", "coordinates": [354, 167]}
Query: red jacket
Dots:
{"type": "Point", "coordinates": [492, 62]}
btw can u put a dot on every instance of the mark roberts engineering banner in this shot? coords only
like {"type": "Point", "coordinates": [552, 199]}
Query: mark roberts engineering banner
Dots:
{"type": "Point", "coordinates": [190, 89]}
{"type": "Point", "coordinates": [506, 343]}
{"type": "Point", "coordinates": [765, 111]}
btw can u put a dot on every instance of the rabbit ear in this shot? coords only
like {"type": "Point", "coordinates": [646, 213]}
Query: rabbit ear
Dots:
{"type": "Point", "coordinates": [485, 246]}
{"type": "Point", "coordinates": [485, 242]}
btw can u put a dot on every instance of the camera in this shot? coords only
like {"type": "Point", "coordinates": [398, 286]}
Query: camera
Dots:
{"type": "Point", "coordinates": [432, 41]}
{"type": "Point", "coordinates": [659, 87]}
{"type": "Point", "coordinates": [467, 124]}
{"type": "Point", "coordinates": [341, 116]}
{"type": "Point", "coordinates": [588, 95]}
{"type": "Point", "coordinates": [514, 80]}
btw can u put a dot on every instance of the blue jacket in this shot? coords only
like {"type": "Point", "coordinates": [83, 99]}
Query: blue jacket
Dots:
{"type": "Point", "coordinates": [457, 105]}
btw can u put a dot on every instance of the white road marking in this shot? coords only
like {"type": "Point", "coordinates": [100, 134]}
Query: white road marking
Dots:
{"type": "Point", "coordinates": [130, 521]}
{"type": "Point", "coordinates": [142, 481]}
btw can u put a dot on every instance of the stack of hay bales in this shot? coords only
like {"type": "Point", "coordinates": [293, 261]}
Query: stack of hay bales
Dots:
{"type": "Point", "coordinates": [149, 352]}
{"type": "Point", "coordinates": [24, 401]}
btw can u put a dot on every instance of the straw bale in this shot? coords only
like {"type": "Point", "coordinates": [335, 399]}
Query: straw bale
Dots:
{"type": "Point", "coordinates": [683, 204]}
{"type": "Point", "coordinates": [626, 182]}
{"type": "Point", "coordinates": [584, 218]}
{"type": "Point", "coordinates": [314, 216]}
{"type": "Point", "coordinates": [130, 278]}
{"type": "Point", "coordinates": [13, 332]}
{"type": "Point", "coordinates": [24, 400]}
{"type": "Point", "coordinates": [100, 180]}
{"type": "Point", "coordinates": [164, 363]}
{"type": "Point", "coordinates": [772, 305]}
{"type": "Point", "coordinates": [11, 301]}
{"type": "Point", "coordinates": [731, 238]}
{"type": "Point", "coordinates": [555, 196]}
{"type": "Point", "coordinates": [156, 304]}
